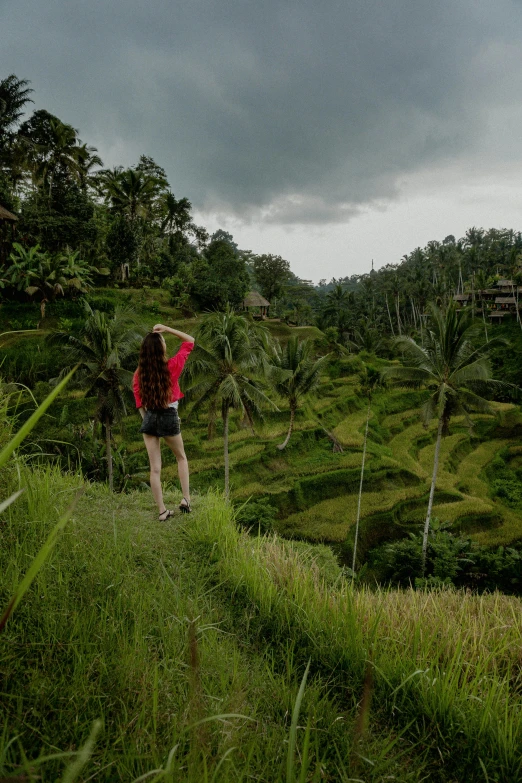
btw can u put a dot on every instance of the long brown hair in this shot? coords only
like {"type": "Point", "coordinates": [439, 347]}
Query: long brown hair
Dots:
{"type": "Point", "coordinates": [153, 374]}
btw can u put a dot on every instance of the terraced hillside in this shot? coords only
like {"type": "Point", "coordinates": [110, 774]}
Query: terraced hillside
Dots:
{"type": "Point", "coordinates": [314, 486]}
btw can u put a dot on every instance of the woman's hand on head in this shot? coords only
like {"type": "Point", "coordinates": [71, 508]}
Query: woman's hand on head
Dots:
{"type": "Point", "coordinates": [158, 328]}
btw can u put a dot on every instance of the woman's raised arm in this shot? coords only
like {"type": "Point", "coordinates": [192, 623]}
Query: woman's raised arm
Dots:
{"type": "Point", "coordinates": [187, 338]}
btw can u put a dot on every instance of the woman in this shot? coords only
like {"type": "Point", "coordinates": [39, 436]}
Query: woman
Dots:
{"type": "Point", "coordinates": [156, 391]}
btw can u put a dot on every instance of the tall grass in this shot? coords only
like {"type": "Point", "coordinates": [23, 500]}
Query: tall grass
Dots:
{"type": "Point", "coordinates": [450, 661]}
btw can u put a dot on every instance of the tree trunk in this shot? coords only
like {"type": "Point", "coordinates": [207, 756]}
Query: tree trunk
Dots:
{"type": "Point", "coordinates": [291, 427]}
{"type": "Point", "coordinates": [414, 313]}
{"type": "Point", "coordinates": [484, 319]}
{"type": "Point", "coordinates": [432, 494]}
{"type": "Point", "coordinates": [515, 297]}
{"type": "Point", "coordinates": [360, 489]}
{"type": "Point", "coordinates": [42, 308]}
{"type": "Point", "coordinates": [109, 452]}
{"type": "Point", "coordinates": [211, 430]}
{"type": "Point", "coordinates": [389, 316]}
{"type": "Point", "coordinates": [398, 312]}
{"type": "Point", "coordinates": [225, 451]}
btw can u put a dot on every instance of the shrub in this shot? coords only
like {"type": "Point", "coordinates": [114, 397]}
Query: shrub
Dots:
{"type": "Point", "coordinates": [451, 561]}
{"type": "Point", "coordinates": [509, 490]}
{"type": "Point", "coordinates": [505, 483]}
{"type": "Point", "coordinates": [258, 514]}
{"type": "Point", "coordinates": [103, 303]}
{"type": "Point", "coordinates": [30, 361]}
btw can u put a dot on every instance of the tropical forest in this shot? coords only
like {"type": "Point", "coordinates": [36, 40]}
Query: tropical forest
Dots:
{"type": "Point", "coordinates": [344, 601]}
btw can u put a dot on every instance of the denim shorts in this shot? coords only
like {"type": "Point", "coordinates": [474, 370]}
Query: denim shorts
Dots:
{"type": "Point", "coordinates": [161, 423]}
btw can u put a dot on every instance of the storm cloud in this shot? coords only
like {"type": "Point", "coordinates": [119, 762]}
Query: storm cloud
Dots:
{"type": "Point", "coordinates": [284, 112]}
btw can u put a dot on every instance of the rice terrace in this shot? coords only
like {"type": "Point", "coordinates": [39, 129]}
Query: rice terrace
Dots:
{"type": "Point", "coordinates": [337, 596]}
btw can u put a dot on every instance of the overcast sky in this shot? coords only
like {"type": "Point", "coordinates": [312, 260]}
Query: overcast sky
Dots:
{"type": "Point", "coordinates": [328, 132]}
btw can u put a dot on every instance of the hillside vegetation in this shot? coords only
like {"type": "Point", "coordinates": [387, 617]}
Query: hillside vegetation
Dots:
{"type": "Point", "coordinates": [311, 487]}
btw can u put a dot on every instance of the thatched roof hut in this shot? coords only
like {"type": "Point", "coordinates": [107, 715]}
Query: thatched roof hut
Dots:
{"type": "Point", "coordinates": [254, 300]}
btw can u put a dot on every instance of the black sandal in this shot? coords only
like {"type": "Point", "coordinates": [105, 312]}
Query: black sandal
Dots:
{"type": "Point", "coordinates": [184, 507]}
{"type": "Point", "coordinates": [168, 513]}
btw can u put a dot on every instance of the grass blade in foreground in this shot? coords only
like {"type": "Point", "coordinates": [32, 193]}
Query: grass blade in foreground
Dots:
{"type": "Point", "coordinates": [6, 503]}
{"type": "Point", "coordinates": [290, 761]}
{"type": "Point", "coordinates": [84, 754]}
{"type": "Point", "coordinates": [38, 562]}
{"type": "Point", "coordinates": [33, 420]}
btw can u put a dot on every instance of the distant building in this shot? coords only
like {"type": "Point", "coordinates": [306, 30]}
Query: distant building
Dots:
{"type": "Point", "coordinates": [498, 302]}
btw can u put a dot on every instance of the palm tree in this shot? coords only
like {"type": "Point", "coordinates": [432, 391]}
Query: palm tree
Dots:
{"type": "Point", "coordinates": [14, 94]}
{"type": "Point", "coordinates": [456, 372]}
{"type": "Point", "coordinates": [100, 350]}
{"type": "Point", "coordinates": [224, 369]}
{"type": "Point", "coordinates": [296, 373]}
{"type": "Point", "coordinates": [367, 338]}
{"type": "Point", "coordinates": [87, 161]}
{"type": "Point", "coordinates": [371, 380]}
{"type": "Point", "coordinates": [338, 301]}
{"type": "Point", "coordinates": [61, 152]}
{"type": "Point", "coordinates": [131, 193]}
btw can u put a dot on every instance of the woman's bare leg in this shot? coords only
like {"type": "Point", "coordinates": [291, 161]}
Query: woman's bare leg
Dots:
{"type": "Point", "coordinates": [175, 444]}
{"type": "Point", "coordinates": [152, 444]}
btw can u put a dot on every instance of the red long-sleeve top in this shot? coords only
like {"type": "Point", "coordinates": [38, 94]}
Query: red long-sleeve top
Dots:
{"type": "Point", "coordinates": [175, 365]}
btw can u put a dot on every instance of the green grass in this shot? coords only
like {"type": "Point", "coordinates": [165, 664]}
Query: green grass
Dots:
{"type": "Point", "coordinates": [348, 432]}
{"type": "Point", "coordinates": [331, 520]}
